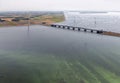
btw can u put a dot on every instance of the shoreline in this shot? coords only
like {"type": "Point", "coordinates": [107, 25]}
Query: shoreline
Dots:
{"type": "Point", "coordinates": [107, 33]}
{"type": "Point", "coordinates": [111, 33]}
{"type": "Point", "coordinates": [46, 20]}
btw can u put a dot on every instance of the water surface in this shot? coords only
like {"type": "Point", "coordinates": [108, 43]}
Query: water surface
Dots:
{"type": "Point", "coordinates": [52, 55]}
{"type": "Point", "coordinates": [102, 21]}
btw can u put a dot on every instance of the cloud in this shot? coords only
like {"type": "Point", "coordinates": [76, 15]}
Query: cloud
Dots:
{"type": "Point", "coordinates": [60, 5]}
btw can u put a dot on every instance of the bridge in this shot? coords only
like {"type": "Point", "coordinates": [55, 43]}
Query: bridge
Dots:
{"type": "Point", "coordinates": [77, 28]}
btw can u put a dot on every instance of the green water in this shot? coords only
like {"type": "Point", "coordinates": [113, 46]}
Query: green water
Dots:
{"type": "Point", "coordinates": [50, 55]}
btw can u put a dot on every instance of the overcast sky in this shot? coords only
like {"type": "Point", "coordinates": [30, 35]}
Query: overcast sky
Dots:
{"type": "Point", "coordinates": [99, 5]}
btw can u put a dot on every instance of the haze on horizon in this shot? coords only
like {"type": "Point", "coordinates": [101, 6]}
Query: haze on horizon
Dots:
{"type": "Point", "coordinates": [35, 5]}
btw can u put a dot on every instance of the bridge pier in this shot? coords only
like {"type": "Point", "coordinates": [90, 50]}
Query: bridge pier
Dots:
{"type": "Point", "coordinates": [98, 32]}
{"type": "Point", "coordinates": [78, 29]}
{"type": "Point", "coordinates": [59, 26]}
{"type": "Point", "coordinates": [91, 31]}
{"type": "Point", "coordinates": [85, 30]}
{"type": "Point", "coordinates": [63, 27]}
{"type": "Point", "coordinates": [73, 28]}
{"type": "Point", "coordinates": [53, 25]}
{"type": "Point", "coordinates": [68, 27]}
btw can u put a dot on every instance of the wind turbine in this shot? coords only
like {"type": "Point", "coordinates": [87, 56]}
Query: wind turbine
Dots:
{"type": "Point", "coordinates": [29, 18]}
{"type": "Point", "coordinates": [95, 23]}
{"type": "Point", "coordinates": [28, 23]}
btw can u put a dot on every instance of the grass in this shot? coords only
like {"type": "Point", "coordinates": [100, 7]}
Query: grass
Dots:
{"type": "Point", "coordinates": [47, 19]}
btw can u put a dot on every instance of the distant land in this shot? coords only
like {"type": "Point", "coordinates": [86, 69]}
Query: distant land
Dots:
{"type": "Point", "coordinates": [22, 18]}
{"type": "Point", "coordinates": [17, 18]}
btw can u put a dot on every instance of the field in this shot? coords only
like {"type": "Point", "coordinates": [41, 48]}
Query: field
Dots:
{"type": "Point", "coordinates": [21, 20]}
{"type": "Point", "coordinates": [47, 19]}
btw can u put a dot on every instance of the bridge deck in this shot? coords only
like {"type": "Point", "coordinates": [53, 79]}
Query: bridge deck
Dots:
{"type": "Point", "coordinates": [78, 28]}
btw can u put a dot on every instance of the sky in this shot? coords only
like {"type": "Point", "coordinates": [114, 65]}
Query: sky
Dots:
{"type": "Point", "coordinates": [58, 5]}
